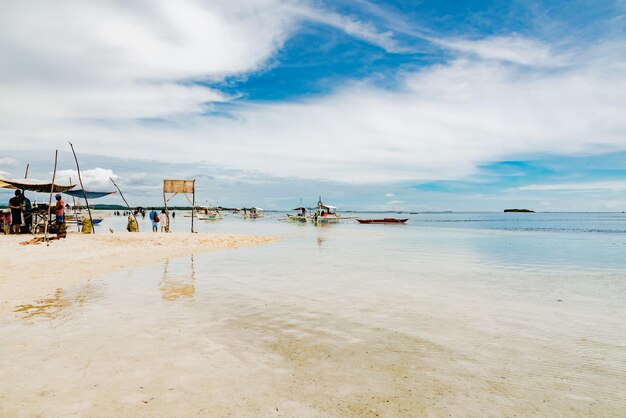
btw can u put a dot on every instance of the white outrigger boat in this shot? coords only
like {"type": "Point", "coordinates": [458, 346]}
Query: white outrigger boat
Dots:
{"type": "Point", "coordinates": [325, 214]}
{"type": "Point", "coordinates": [205, 213]}
{"type": "Point", "coordinates": [253, 213]}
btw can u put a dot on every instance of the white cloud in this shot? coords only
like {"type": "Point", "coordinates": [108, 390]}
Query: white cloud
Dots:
{"type": "Point", "coordinates": [95, 177]}
{"type": "Point", "coordinates": [354, 27]}
{"type": "Point", "coordinates": [443, 123]}
{"type": "Point", "coordinates": [7, 162]}
{"type": "Point", "coordinates": [516, 49]}
{"type": "Point", "coordinates": [88, 71]}
{"type": "Point", "coordinates": [102, 59]}
{"type": "Point", "coordinates": [389, 194]}
{"type": "Point", "coordinates": [595, 186]}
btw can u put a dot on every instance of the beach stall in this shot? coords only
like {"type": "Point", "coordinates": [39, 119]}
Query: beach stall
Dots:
{"type": "Point", "coordinates": [38, 212]}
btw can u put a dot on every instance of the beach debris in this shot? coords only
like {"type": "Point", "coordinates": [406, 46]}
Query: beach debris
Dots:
{"type": "Point", "coordinates": [39, 240]}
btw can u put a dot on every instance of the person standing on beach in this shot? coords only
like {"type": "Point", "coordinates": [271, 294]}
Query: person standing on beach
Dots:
{"type": "Point", "coordinates": [59, 210]}
{"type": "Point", "coordinates": [16, 205]}
{"type": "Point", "coordinates": [154, 217]}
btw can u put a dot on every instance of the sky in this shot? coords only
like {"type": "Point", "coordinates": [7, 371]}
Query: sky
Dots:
{"type": "Point", "coordinates": [386, 105]}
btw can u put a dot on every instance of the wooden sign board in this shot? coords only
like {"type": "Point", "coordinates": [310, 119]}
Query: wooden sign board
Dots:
{"type": "Point", "coordinates": [178, 186]}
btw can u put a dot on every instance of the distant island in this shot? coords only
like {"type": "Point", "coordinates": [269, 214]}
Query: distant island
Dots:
{"type": "Point", "coordinates": [519, 210]}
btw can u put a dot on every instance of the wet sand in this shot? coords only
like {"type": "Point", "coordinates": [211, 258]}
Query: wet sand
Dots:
{"type": "Point", "coordinates": [32, 272]}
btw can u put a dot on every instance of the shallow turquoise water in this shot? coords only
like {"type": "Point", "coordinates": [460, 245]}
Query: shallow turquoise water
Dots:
{"type": "Point", "coordinates": [536, 241]}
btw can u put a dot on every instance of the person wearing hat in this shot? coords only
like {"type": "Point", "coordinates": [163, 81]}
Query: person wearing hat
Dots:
{"type": "Point", "coordinates": [59, 210]}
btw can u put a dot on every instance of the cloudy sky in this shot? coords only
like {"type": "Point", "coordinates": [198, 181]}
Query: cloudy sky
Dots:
{"type": "Point", "coordinates": [399, 104]}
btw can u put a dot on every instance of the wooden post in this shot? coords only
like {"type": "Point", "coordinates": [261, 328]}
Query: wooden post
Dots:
{"type": "Point", "coordinates": [167, 211]}
{"type": "Point", "coordinates": [127, 205]}
{"type": "Point", "coordinates": [193, 204]}
{"type": "Point", "coordinates": [32, 230]}
{"type": "Point", "coordinates": [93, 229]}
{"type": "Point", "coordinates": [74, 209]}
{"type": "Point", "coordinates": [47, 221]}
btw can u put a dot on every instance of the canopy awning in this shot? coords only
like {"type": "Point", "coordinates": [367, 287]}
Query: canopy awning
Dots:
{"type": "Point", "coordinates": [32, 185]}
{"type": "Point", "coordinates": [90, 195]}
{"type": "Point", "coordinates": [300, 208]}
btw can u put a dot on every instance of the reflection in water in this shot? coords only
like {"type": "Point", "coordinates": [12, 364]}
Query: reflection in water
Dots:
{"type": "Point", "coordinates": [177, 287]}
{"type": "Point", "coordinates": [57, 306]}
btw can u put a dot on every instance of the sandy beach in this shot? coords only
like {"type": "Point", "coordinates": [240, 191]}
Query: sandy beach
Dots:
{"type": "Point", "coordinates": [31, 272]}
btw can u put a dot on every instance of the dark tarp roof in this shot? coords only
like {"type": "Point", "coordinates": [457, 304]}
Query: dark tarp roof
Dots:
{"type": "Point", "coordinates": [31, 185]}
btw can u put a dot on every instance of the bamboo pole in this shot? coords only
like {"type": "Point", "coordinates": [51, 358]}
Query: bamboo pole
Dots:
{"type": "Point", "coordinates": [167, 211]}
{"type": "Point", "coordinates": [193, 205]}
{"type": "Point", "coordinates": [93, 229]}
{"type": "Point", "coordinates": [31, 208]}
{"type": "Point", "coordinates": [47, 221]}
{"type": "Point", "coordinates": [75, 214]}
{"type": "Point", "coordinates": [127, 205]}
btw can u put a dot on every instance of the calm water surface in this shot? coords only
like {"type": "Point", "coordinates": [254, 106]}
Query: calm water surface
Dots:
{"type": "Point", "coordinates": [524, 314]}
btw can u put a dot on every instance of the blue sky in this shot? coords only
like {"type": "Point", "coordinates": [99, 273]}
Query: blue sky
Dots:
{"type": "Point", "coordinates": [399, 105]}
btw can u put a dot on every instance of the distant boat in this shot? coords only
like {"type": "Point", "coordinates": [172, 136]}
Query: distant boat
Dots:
{"type": "Point", "coordinates": [71, 219]}
{"type": "Point", "coordinates": [299, 217]}
{"type": "Point", "coordinates": [328, 214]}
{"type": "Point", "coordinates": [253, 213]}
{"type": "Point", "coordinates": [205, 213]}
{"type": "Point", "coordinates": [382, 221]}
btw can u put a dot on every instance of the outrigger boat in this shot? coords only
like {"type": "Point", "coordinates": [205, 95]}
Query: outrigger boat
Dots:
{"type": "Point", "coordinates": [383, 221]}
{"type": "Point", "coordinates": [300, 217]}
{"type": "Point", "coordinates": [78, 219]}
{"type": "Point", "coordinates": [327, 214]}
{"type": "Point", "coordinates": [253, 213]}
{"type": "Point", "coordinates": [205, 213]}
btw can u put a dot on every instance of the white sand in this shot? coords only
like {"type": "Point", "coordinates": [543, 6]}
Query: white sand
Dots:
{"type": "Point", "coordinates": [30, 272]}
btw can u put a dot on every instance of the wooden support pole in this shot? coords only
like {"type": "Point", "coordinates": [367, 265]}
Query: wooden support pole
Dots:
{"type": "Point", "coordinates": [193, 205]}
{"type": "Point", "coordinates": [47, 221]}
{"type": "Point", "coordinates": [32, 230]}
{"type": "Point", "coordinates": [167, 212]}
{"type": "Point", "coordinates": [93, 229]}
{"type": "Point", "coordinates": [132, 212]}
{"type": "Point", "coordinates": [75, 214]}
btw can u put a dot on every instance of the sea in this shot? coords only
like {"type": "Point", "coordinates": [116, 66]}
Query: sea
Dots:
{"type": "Point", "coordinates": [462, 314]}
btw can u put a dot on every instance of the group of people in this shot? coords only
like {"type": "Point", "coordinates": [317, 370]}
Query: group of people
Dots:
{"type": "Point", "coordinates": [22, 213]}
{"type": "Point", "coordinates": [317, 214]}
{"type": "Point", "coordinates": [156, 219]}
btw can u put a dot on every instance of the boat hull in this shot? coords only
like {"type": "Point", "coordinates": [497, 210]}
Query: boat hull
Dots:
{"type": "Point", "coordinates": [382, 221]}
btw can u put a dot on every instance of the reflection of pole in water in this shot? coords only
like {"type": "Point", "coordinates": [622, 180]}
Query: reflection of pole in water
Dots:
{"type": "Point", "coordinates": [181, 287]}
